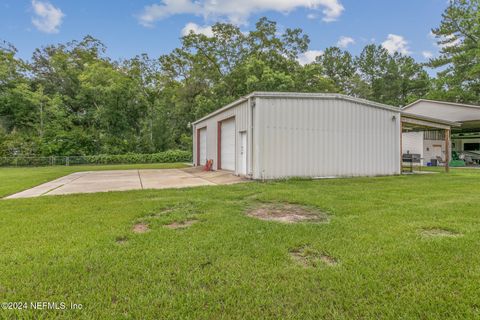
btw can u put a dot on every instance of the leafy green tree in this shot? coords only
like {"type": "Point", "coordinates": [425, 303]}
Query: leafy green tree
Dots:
{"type": "Point", "coordinates": [411, 81]}
{"type": "Point", "coordinates": [372, 67]}
{"type": "Point", "coordinates": [71, 99]}
{"type": "Point", "coordinates": [393, 79]}
{"type": "Point", "coordinates": [338, 65]}
{"type": "Point", "coordinates": [154, 130]}
{"type": "Point", "coordinates": [309, 78]}
{"type": "Point", "coordinates": [209, 72]}
{"type": "Point", "coordinates": [57, 69]}
{"type": "Point", "coordinates": [459, 38]}
{"type": "Point", "coordinates": [12, 72]}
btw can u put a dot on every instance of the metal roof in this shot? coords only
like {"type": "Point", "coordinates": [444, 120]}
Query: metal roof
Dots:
{"type": "Point", "coordinates": [455, 112]}
{"type": "Point", "coordinates": [299, 95]}
{"type": "Point", "coordinates": [442, 102]}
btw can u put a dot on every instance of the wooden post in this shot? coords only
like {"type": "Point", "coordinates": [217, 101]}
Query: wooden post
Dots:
{"type": "Point", "coordinates": [447, 150]}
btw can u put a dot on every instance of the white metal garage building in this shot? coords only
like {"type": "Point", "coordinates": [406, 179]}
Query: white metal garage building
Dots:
{"type": "Point", "coordinates": [270, 135]}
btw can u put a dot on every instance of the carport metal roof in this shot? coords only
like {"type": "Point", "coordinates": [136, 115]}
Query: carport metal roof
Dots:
{"type": "Point", "coordinates": [413, 122]}
{"type": "Point", "coordinates": [467, 115]}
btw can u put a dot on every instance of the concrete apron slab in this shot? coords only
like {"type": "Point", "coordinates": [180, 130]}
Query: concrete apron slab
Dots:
{"type": "Point", "coordinates": [216, 177]}
{"type": "Point", "coordinates": [170, 178]}
{"type": "Point", "coordinates": [46, 187]}
{"type": "Point", "coordinates": [122, 180]}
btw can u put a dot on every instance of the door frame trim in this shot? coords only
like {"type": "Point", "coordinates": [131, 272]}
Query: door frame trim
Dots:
{"type": "Point", "coordinates": [198, 143]}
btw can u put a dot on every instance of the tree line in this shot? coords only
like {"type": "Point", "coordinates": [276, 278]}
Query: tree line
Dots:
{"type": "Point", "coordinates": [72, 99]}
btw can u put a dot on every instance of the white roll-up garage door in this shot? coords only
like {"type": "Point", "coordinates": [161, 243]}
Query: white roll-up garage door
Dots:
{"type": "Point", "coordinates": [203, 146]}
{"type": "Point", "coordinates": [227, 145]}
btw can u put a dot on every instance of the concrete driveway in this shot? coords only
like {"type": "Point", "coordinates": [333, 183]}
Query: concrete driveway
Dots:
{"type": "Point", "coordinates": [121, 180]}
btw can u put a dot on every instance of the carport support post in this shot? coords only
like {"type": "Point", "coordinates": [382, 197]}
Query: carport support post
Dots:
{"type": "Point", "coordinates": [401, 145]}
{"type": "Point", "coordinates": [447, 150]}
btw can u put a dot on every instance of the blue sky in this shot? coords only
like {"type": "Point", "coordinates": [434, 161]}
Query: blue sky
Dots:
{"type": "Point", "coordinates": [131, 27]}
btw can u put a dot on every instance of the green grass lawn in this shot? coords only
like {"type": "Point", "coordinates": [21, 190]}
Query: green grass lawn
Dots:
{"type": "Point", "coordinates": [231, 266]}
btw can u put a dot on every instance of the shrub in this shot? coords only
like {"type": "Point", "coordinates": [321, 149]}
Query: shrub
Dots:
{"type": "Point", "coordinates": [129, 158]}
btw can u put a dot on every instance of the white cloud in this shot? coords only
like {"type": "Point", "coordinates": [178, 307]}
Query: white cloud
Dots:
{"type": "Point", "coordinates": [309, 56]}
{"type": "Point", "coordinates": [344, 42]}
{"type": "Point", "coordinates": [195, 28]}
{"type": "Point", "coordinates": [396, 43]}
{"type": "Point", "coordinates": [427, 54]}
{"type": "Point", "coordinates": [47, 17]}
{"type": "Point", "coordinates": [235, 11]}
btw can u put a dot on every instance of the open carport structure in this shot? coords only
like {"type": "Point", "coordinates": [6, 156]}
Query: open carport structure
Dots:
{"type": "Point", "coordinates": [464, 137]}
{"type": "Point", "coordinates": [413, 123]}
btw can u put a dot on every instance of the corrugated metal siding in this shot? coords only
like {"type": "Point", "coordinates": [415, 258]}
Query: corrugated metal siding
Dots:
{"type": "Point", "coordinates": [240, 112]}
{"type": "Point", "coordinates": [324, 137]}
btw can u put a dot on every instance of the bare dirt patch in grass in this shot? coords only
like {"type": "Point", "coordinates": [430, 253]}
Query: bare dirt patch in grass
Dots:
{"type": "Point", "coordinates": [121, 240]}
{"type": "Point", "coordinates": [308, 257]}
{"type": "Point", "coordinates": [287, 213]}
{"type": "Point", "coordinates": [140, 228]}
{"type": "Point", "coordinates": [439, 232]}
{"type": "Point", "coordinates": [181, 224]}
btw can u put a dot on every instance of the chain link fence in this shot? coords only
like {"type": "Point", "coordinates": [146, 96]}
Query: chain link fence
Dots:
{"type": "Point", "coordinates": [162, 157]}
{"type": "Point", "coordinates": [41, 161]}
